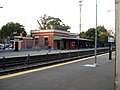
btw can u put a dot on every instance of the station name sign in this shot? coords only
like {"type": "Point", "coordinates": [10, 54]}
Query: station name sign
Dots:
{"type": "Point", "coordinates": [110, 39]}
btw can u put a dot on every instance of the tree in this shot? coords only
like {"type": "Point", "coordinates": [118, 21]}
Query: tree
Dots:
{"type": "Point", "coordinates": [10, 28]}
{"type": "Point", "coordinates": [90, 34]}
{"type": "Point", "coordinates": [48, 22]}
{"type": "Point", "coordinates": [102, 35]}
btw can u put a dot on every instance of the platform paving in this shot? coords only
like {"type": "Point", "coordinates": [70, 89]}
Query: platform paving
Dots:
{"type": "Point", "coordinates": [12, 53]}
{"type": "Point", "coordinates": [74, 76]}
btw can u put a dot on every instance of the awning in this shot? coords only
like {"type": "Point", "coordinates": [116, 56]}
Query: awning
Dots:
{"type": "Point", "coordinates": [57, 38]}
{"type": "Point", "coordinates": [70, 38]}
{"type": "Point", "coordinates": [81, 39]}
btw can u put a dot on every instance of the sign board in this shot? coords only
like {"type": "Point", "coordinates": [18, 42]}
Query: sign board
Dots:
{"type": "Point", "coordinates": [110, 39]}
{"type": "Point", "coordinates": [17, 40]}
{"type": "Point", "coordinates": [36, 36]}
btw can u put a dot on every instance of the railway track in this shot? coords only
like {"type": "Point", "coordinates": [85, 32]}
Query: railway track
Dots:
{"type": "Point", "coordinates": [15, 64]}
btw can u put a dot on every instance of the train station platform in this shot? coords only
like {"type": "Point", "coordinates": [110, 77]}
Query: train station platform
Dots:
{"type": "Point", "coordinates": [12, 53]}
{"type": "Point", "coordinates": [73, 75]}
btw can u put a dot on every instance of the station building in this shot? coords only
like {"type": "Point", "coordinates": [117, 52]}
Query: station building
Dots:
{"type": "Point", "coordinates": [22, 42]}
{"type": "Point", "coordinates": [59, 39]}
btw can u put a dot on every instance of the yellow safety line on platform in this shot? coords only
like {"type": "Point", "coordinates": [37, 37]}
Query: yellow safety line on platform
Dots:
{"type": "Point", "coordinates": [46, 67]}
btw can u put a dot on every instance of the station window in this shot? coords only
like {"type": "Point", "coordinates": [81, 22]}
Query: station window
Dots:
{"type": "Point", "coordinates": [36, 42]}
{"type": "Point", "coordinates": [46, 41]}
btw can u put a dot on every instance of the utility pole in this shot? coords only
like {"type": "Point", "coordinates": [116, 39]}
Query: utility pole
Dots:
{"type": "Point", "coordinates": [96, 38]}
{"type": "Point", "coordinates": [95, 49]}
{"type": "Point", "coordinates": [117, 31]}
{"type": "Point", "coordinates": [80, 14]}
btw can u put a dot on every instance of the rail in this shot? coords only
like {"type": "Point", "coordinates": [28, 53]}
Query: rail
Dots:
{"type": "Point", "coordinates": [27, 62]}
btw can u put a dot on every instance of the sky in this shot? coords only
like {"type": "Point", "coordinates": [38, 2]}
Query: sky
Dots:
{"type": "Point", "coordinates": [26, 12]}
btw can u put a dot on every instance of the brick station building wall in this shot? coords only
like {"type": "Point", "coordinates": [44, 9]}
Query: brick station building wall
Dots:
{"type": "Point", "coordinates": [41, 34]}
{"type": "Point", "coordinates": [24, 42]}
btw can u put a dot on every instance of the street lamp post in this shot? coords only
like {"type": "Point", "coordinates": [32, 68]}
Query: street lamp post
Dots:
{"type": "Point", "coordinates": [96, 37]}
{"type": "Point", "coordinates": [110, 10]}
{"type": "Point", "coordinates": [80, 14]}
{"type": "Point", "coordinates": [95, 49]}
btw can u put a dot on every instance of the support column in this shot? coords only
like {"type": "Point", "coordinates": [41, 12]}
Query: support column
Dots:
{"type": "Point", "coordinates": [117, 32]}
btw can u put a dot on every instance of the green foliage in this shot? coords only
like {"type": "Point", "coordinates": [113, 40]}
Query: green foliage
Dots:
{"type": "Point", "coordinates": [48, 22]}
{"type": "Point", "coordinates": [102, 35]}
{"type": "Point", "coordinates": [10, 28]}
{"type": "Point", "coordinates": [90, 34]}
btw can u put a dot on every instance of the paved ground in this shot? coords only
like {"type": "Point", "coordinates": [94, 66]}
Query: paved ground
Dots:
{"type": "Point", "coordinates": [72, 76]}
{"type": "Point", "coordinates": [12, 53]}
